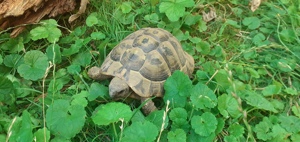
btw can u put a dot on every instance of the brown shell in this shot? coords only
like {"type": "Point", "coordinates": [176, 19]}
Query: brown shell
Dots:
{"type": "Point", "coordinates": [145, 59]}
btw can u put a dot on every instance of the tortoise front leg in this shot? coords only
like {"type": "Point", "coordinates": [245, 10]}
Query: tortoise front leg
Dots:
{"type": "Point", "coordinates": [149, 105]}
{"type": "Point", "coordinates": [96, 73]}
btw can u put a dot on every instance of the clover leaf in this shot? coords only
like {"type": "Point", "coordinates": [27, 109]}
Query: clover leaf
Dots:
{"type": "Point", "coordinates": [35, 65]}
{"type": "Point", "coordinates": [251, 22]}
{"type": "Point", "coordinates": [176, 9]}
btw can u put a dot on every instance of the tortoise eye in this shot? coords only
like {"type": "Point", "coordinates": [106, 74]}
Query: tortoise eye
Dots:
{"type": "Point", "coordinates": [121, 92]}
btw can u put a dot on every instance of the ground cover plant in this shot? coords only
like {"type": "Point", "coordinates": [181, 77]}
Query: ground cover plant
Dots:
{"type": "Point", "coordinates": [245, 86]}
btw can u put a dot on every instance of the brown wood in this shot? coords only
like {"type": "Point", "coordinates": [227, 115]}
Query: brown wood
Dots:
{"type": "Point", "coordinates": [17, 13]}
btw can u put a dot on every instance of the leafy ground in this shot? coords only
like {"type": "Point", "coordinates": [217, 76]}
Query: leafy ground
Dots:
{"type": "Point", "coordinates": [246, 83]}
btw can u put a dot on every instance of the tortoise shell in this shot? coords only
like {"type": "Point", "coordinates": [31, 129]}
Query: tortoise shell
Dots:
{"type": "Point", "coordinates": [145, 59]}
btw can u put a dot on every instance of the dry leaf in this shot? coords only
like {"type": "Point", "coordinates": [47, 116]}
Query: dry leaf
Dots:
{"type": "Point", "coordinates": [254, 4]}
{"type": "Point", "coordinates": [210, 15]}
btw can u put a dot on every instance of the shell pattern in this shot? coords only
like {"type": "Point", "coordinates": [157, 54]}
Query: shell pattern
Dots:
{"type": "Point", "coordinates": [145, 59]}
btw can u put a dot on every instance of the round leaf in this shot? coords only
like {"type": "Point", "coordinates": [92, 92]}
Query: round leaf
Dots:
{"type": "Point", "coordinates": [203, 97]}
{"type": "Point", "coordinates": [111, 112]}
{"type": "Point", "coordinates": [205, 124]}
{"type": "Point", "coordinates": [178, 113]}
{"type": "Point", "coordinates": [35, 65]}
{"type": "Point", "coordinates": [251, 22]}
{"type": "Point", "coordinates": [177, 136]}
{"type": "Point", "coordinates": [177, 88]}
{"type": "Point", "coordinates": [140, 132]}
{"type": "Point", "coordinates": [65, 120]}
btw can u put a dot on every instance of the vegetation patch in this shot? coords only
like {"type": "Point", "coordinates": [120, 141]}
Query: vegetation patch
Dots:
{"type": "Point", "coordinates": [245, 87]}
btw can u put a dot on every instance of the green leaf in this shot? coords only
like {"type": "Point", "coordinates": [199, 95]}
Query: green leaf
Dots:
{"type": "Point", "coordinates": [47, 30]}
{"type": "Point", "coordinates": [233, 23]}
{"type": "Point", "coordinates": [55, 86]}
{"type": "Point", "coordinates": [259, 39]}
{"type": "Point", "coordinates": [222, 79]}
{"type": "Point", "coordinates": [221, 125]}
{"type": "Point", "coordinates": [296, 110]}
{"type": "Point", "coordinates": [230, 138]}
{"type": "Point", "coordinates": [291, 91]}
{"type": "Point", "coordinates": [177, 88]}
{"type": "Point", "coordinates": [290, 123]}
{"type": "Point", "coordinates": [80, 99]}
{"type": "Point", "coordinates": [39, 135]}
{"type": "Point", "coordinates": [178, 113]}
{"type": "Point", "coordinates": [153, 17]}
{"type": "Point", "coordinates": [287, 35]}
{"type": "Point", "coordinates": [1, 59]}
{"type": "Point", "coordinates": [271, 90]}
{"type": "Point", "coordinates": [180, 123]}
{"type": "Point", "coordinates": [111, 113]}
{"type": "Point", "coordinates": [6, 87]}
{"type": "Point", "coordinates": [295, 137]}
{"type": "Point", "coordinates": [13, 60]}
{"type": "Point", "coordinates": [54, 34]}
{"type": "Point", "coordinates": [203, 97]}
{"type": "Point", "coordinates": [253, 72]}
{"type": "Point", "coordinates": [35, 65]}
{"type": "Point", "coordinates": [177, 136]}
{"type": "Point", "coordinates": [205, 124]}
{"type": "Point", "coordinates": [236, 130]}
{"type": "Point", "coordinates": [251, 22]}
{"type": "Point", "coordinates": [192, 19]}
{"type": "Point", "coordinates": [278, 133]}
{"type": "Point", "coordinates": [98, 35]}
{"type": "Point", "coordinates": [126, 7]}
{"type": "Point", "coordinates": [13, 45]}
{"type": "Point", "coordinates": [83, 59]}
{"type": "Point", "coordinates": [25, 133]}
{"type": "Point", "coordinates": [91, 20]}
{"type": "Point", "coordinates": [263, 129]}
{"type": "Point", "coordinates": [74, 48]}
{"type": "Point", "coordinates": [228, 105]}
{"type": "Point", "coordinates": [97, 90]}
{"type": "Point", "coordinates": [53, 53]}
{"type": "Point", "coordinates": [194, 137]}
{"type": "Point", "coordinates": [39, 33]}
{"type": "Point", "coordinates": [202, 26]}
{"type": "Point", "coordinates": [156, 118]}
{"type": "Point", "coordinates": [73, 69]}
{"type": "Point", "coordinates": [176, 9]}
{"type": "Point", "coordinates": [286, 65]}
{"type": "Point", "coordinates": [65, 120]}
{"type": "Point", "coordinates": [203, 47]}
{"type": "Point", "coordinates": [140, 132]}
{"type": "Point", "coordinates": [259, 102]}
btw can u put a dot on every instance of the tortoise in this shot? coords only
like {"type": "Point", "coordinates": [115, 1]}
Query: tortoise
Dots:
{"type": "Point", "coordinates": [140, 64]}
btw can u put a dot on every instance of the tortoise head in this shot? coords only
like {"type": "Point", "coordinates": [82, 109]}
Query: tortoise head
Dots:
{"type": "Point", "coordinates": [118, 88]}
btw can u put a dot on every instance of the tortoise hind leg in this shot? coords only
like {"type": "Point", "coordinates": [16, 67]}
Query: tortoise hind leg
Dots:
{"type": "Point", "coordinates": [149, 105]}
